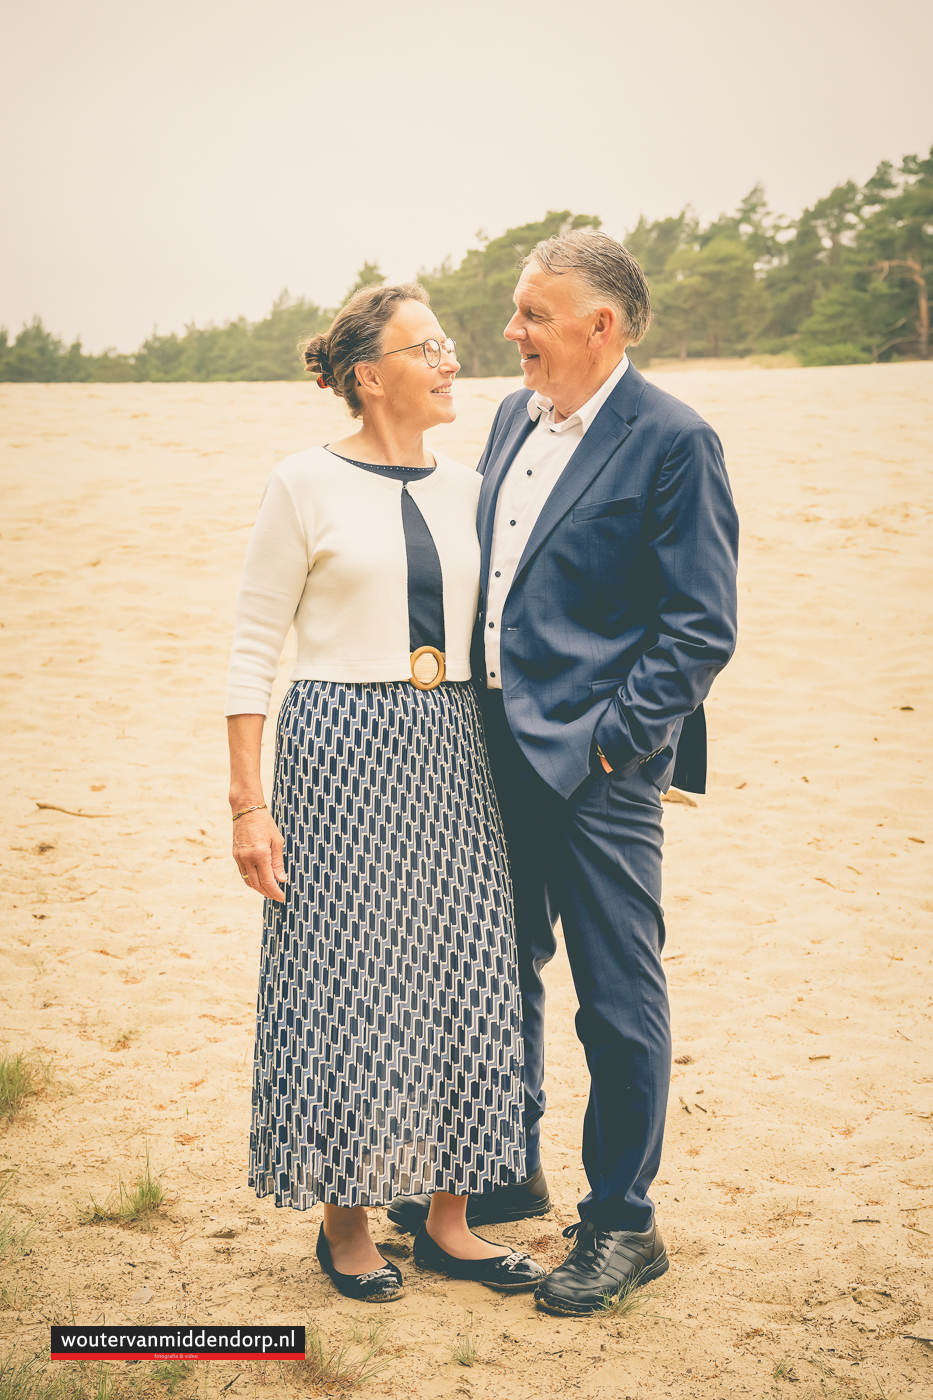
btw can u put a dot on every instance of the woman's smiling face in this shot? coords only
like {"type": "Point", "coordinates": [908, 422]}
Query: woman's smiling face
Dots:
{"type": "Point", "coordinates": [414, 392]}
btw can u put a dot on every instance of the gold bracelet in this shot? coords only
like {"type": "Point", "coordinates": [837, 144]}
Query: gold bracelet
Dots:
{"type": "Point", "coordinates": [258, 808]}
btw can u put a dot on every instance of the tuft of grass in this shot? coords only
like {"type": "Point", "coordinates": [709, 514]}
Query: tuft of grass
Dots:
{"type": "Point", "coordinates": [783, 1369]}
{"type": "Point", "coordinates": [349, 1364]}
{"type": "Point", "coordinates": [125, 1038]}
{"type": "Point", "coordinates": [15, 1301]}
{"type": "Point", "coordinates": [168, 1375]}
{"type": "Point", "coordinates": [465, 1350]}
{"type": "Point", "coordinates": [126, 1204]}
{"type": "Point", "coordinates": [38, 1379]}
{"type": "Point", "coordinates": [340, 1368]}
{"type": "Point", "coordinates": [35, 1380]}
{"type": "Point", "coordinates": [12, 1239]}
{"type": "Point", "coordinates": [372, 1334]}
{"type": "Point", "coordinates": [32, 1380]}
{"type": "Point", "coordinates": [22, 1076]}
{"type": "Point", "coordinates": [23, 1380]}
{"type": "Point", "coordinates": [628, 1300]}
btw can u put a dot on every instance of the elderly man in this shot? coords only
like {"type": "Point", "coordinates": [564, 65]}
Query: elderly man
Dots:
{"type": "Point", "coordinates": [608, 606]}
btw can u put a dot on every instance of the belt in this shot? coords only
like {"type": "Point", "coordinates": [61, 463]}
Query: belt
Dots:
{"type": "Point", "coordinates": [428, 668]}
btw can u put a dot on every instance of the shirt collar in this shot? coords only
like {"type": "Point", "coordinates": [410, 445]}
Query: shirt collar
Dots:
{"type": "Point", "coordinates": [539, 406]}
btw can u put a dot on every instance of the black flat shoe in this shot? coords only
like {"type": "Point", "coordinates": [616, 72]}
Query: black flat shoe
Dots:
{"type": "Point", "coordinates": [379, 1286]}
{"type": "Point", "coordinates": [601, 1265]}
{"type": "Point", "coordinates": [510, 1273]}
{"type": "Point", "coordinates": [520, 1201]}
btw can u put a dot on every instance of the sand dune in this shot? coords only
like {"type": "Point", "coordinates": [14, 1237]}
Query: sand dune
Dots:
{"type": "Point", "coordinates": [797, 1189]}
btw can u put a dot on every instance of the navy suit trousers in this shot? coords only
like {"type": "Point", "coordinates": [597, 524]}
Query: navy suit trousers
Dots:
{"type": "Point", "coordinates": [593, 860]}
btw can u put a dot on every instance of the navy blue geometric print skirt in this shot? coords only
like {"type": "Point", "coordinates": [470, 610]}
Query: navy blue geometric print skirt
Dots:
{"type": "Point", "coordinates": [388, 1047]}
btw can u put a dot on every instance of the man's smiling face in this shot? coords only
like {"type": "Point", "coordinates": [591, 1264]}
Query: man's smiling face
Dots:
{"type": "Point", "coordinates": [550, 331]}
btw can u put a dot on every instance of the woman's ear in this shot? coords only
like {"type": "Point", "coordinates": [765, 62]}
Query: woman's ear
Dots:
{"type": "Point", "coordinates": [368, 378]}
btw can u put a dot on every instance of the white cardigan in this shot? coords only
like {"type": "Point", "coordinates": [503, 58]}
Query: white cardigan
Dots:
{"type": "Point", "coordinates": [327, 554]}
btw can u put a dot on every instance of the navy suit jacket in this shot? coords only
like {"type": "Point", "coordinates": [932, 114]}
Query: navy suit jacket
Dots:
{"type": "Point", "coordinates": [623, 606]}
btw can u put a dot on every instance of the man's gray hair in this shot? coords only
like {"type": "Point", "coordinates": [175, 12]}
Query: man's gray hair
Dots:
{"type": "Point", "coordinates": [607, 270]}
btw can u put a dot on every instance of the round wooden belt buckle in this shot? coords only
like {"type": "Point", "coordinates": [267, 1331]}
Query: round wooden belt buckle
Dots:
{"type": "Point", "coordinates": [427, 668]}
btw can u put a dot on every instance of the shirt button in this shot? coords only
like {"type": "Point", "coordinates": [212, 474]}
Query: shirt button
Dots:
{"type": "Point", "coordinates": [511, 522]}
{"type": "Point", "coordinates": [492, 624]}
{"type": "Point", "coordinates": [528, 473]}
{"type": "Point", "coordinates": [498, 574]}
{"type": "Point", "coordinates": [492, 675]}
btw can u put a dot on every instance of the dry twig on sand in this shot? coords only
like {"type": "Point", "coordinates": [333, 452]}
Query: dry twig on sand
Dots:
{"type": "Point", "coordinates": [675, 795]}
{"type": "Point", "coordinates": [53, 807]}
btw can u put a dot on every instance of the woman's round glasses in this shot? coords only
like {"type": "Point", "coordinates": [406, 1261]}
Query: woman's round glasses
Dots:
{"type": "Point", "coordinates": [432, 349]}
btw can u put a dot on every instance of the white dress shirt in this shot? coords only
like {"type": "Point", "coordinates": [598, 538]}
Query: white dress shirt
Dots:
{"type": "Point", "coordinates": [529, 481]}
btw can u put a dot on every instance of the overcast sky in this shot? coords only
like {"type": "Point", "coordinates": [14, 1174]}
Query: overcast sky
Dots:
{"type": "Point", "coordinates": [186, 160]}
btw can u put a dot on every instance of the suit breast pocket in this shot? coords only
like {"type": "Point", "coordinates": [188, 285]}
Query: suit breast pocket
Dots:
{"type": "Point", "coordinates": [606, 510]}
{"type": "Point", "coordinates": [606, 544]}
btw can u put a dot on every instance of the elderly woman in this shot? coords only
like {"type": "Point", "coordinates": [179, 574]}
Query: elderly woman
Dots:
{"type": "Point", "coordinates": [388, 1047]}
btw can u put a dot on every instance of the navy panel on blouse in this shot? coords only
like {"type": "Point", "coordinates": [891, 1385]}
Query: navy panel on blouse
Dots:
{"type": "Point", "coordinates": [425, 577]}
{"type": "Point", "coordinates": [425, 580]}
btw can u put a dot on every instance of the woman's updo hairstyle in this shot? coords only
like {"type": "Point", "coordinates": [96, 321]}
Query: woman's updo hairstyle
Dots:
{"type": "Point", "coordinates": [356, 336]}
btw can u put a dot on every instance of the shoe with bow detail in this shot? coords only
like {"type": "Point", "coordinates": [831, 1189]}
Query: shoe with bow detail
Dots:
{"type": "Point", "coordinates": [601, 1265]}
{"type": "Point", "coordinates": [377, 1286]}
{"type": "Point", "coordinates": [510, 1273]}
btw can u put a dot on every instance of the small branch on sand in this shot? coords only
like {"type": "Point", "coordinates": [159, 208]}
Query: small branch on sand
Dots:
{"type": "Point", "coordinates": [675, 795]}
{"type": "Point", "coordinates": [51, 807]}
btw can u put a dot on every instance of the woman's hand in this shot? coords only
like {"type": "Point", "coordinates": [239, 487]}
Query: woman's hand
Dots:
{"type": "Point", "coordinates": [257, 850]}
{"type": "Point", "coordinates": [257, 845]}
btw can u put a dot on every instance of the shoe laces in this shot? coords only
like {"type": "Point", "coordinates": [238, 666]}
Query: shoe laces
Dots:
{"type": "Point", "coordinates": [587, 1237]}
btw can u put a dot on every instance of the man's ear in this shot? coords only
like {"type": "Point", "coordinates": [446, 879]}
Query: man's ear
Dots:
{"type": "Point", "coordinates": [604, 328]}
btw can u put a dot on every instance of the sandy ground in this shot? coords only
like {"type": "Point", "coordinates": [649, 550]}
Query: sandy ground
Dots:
{"type": "Point", "coordinates": [796, 1194]}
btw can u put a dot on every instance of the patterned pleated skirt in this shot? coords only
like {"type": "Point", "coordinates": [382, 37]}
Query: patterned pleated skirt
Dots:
{"type": "Point", "coordinates": [388, 1047]}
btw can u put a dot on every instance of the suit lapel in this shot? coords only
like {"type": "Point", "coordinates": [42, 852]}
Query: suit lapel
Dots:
{"type": "Point", "coordinates": [609, 429]}
{"type": "Point", "coordinates": [521, 425]}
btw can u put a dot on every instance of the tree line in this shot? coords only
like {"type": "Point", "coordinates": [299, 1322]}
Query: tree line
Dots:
{"type": "Point", "coordinates": [845, 283]}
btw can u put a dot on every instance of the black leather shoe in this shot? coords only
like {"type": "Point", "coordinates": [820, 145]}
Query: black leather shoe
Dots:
{"type": "Point", "coordinates": [510, 1273]}
{"type": "Point", "coordinates": [379, 1286]}
{"type": "Point", "coordinates": [600, 1266]}
{"type": "Point", "coordinates": [498, 1207]}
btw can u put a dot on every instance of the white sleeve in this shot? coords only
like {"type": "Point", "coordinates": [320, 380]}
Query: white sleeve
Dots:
{"type": "Point", "coordinates": [274, 576]}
